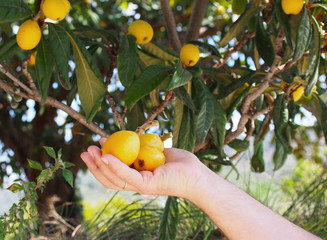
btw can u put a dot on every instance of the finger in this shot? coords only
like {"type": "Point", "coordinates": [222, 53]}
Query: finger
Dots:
{"type": "Point", "coordinates": [123, 172]}
{"type": "Point", "coordinates": [93, 167]}
{"type": "Point", "coordinates": [102, 141]}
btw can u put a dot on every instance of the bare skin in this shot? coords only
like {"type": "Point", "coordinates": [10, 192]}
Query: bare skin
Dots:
{"type": "Point", "coordinates": [236, 213]}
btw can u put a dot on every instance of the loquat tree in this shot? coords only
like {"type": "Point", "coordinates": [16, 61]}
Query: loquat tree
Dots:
{"type": "Point", "coordinates": [74, 71]}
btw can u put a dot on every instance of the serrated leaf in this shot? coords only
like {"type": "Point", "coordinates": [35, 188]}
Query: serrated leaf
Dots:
{"type": "Point", "coordinates": [206, 111]}
{"type": "Point", "coordinates": [280, 155]}
{"type": "Point", "coordinates": [60, 45]}
{"type": "Point", "coordinates": [218, 125]}
{"type": "Point", "coordinates": [284, 22]}
{"type": "Point", "coordinates": [50, 151]}
{"type": "Point", "coordinates": [9, 48]}
{"type": "Point", "coordinates": [239, 145]}
{"type": "Point", "coordinates": [257, 161]}
{"type": "Point", "coordinates": [315, 60]}
{"type": "Point", "coordinates": [43, 175]}
{"type": "Point", "coordinates": [11, 10]}
{"type": "Point", "coordinates": [44, 62]}
{"type": "Point", "coordinates": [68, 164]}
{"type": "Point", "coordinates": [238, 26]}
{"type": "Point", "coordinates": [68, 177]}
{"type": "Point", "coordinates": [91, 89]}
{"type": "Point", "coordinates": [181, 77]}
{"type": "Point", "coordinates": [127, 61]}
{"type": "Point", "coordinates": [303, 35]}
{"type": "Point", "coordinates": [15, 187]}
{"type": "Point", "coordinates": [264, 45]}
{"type": "Point", "coordinates": [169, 220]}
{"type": "Point", "coordinates": [182, 95]}
{"type": "Point", "coordinates": [159, 51]}
{"type": "Point", "coordinates": [34, 164]}
{"type": "Point", "coordinates": [148, 80]}
{"type": "Point", "coordinates": [186, 136]}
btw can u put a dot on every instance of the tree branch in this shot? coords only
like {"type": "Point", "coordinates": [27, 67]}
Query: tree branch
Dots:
{"type": "Point", "coordinates": [168, 99]}
{"type": "Point", "coordinates": [198, 13]}
{"type": "Point", "coordinates": [245, 115]}
{"type": "Point", "coordinates": [118, 116]}
{"type": "Point", "coordinates": [171, 25]}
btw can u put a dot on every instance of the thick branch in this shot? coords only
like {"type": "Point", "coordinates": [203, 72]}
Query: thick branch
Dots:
{"type": "Point", "coordinates": [168, 99]}
{"type": "Point", "coordinates": [171, 25]}
{"type": "Point", "coordinates": [198, 13]}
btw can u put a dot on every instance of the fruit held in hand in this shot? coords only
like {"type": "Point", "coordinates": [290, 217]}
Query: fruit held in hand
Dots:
{"type": "Point", "coordinates": [151, 140]}
{"type": "Point", "coordinates": [31, 62]}
{"type": "Point", "coordinates": [189, 55]}
{"type": "Point", "coordinates": [149, 159]}
{"type": "Point", "coordinates": [292, 6]}
{"type": "Point", "coordinates": [56, 10]}
{"type": "Point", "coordinates": [28, 35]}
{"type": "Point", "coordinates": [124, 145]}
{"type": "Point", "coordinates": [141, 30]}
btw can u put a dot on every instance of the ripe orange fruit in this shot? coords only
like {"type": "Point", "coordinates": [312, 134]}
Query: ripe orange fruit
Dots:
{"type": "Point", "coordinates": [297, 92]}
{"type": "Point", "coordinates": [28, 35]}
{"type": "Point", "coordinates": [189, 55]}
{"type": "Point", "coordinates": [292, 6]}
{"type": "Point", "coordinates": [149, 159]}
{"type": "Point", "coordinates": [151, 140]}
{"type": "Point", "coordinates": [31, 62]}
{"type": "Point", "coordinates": [124, 145]}
{"type": "Point", "coordinates": [56, 10]}
{"type": "Point", "coordinates": [142, 31]}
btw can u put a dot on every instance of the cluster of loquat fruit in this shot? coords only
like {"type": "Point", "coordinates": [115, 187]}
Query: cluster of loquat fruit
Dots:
{"type": "Point", "coordinates": [144, 151]}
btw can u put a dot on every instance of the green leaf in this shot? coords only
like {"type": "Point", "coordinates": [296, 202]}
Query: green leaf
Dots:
{"type": "Point", "coordinates": [303, 35]}
{"type": "Point", "coordinates": [68, 164]}
{"type": "Point", "coordinates": [218, 125]}
{"type": "Point", "coordinates": [239, 145]}
{"type": "Point", "coordinates": [315, 59]}
{"type": "Point", "coordinates": [323, 117]}
{"type": "Point", "coordinates": [44, 175]}
{"type": "Point", "coordinates": [91, 89]}
{"type": "Point", "coordinates": [9, 48]}
{"type": "Point", "coordinates": [159, 51]}
{"type": "Point", "coordinates": [68, 177]}
{"type": "Point", "coordinates": [169, 220]}
{"type": "Point", "coordinates": [94, 33]}
{"type": "Point", "coordinates": [257, 161]}
{"type": "Point", "coordinates": [50, 151]}
{"type": "Point", "coordinates": [280, 155]}
{"type": "Point", "coordinates": [15, 187]}
{"type": "Point", "coordinates": [263, 43]}
{"type": "Point", "coordinates": [34, 164]}
{"type": "Point", "coordinates": [238, 100]}
{"type": "Point", "coordinates": [127, 62]}
{"type": "Point", "coordinates": [44, 62]}
{"type": "Point", "coordinates": [148, 80]}
{"type": "Point", "coordinates": [186, 136]}
{"type": "Point", "coordinates": [280, 117]}
{"type": "Point", "coordinates": [178, 115]}
{"type": "Point", "coordinates": [182, 95]}
{"type": "Point", "coordinates": [11, 10]}
{"type": "Point", "coordinates": [181, 77]}
{"type": "Point", "coordinates": [238, 26]}
{"type": "Point", "coordinates": [206, 112]}
{"type": "Point", "coordinates": [284, 22]}
{"type": "Point", "coordinates": [212, 49]}
{"type": "Point", "coordinates": [60, 45]}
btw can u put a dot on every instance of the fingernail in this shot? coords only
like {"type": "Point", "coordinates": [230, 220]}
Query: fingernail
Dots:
{"type": "Point", "coordinates": [105, 160]}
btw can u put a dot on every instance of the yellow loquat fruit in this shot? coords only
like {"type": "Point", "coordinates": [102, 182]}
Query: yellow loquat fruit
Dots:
{"type": "Point", "coordinates": [142, 31]}
{"type": "Point", "coordinates": [28, 35]}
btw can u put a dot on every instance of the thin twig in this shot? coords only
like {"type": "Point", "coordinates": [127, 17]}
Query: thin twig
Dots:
{"type": "Point", "coordinates": [245, 37]}
{"type": "Point", "coordinates": [28, 76]}
{"type": "Point", "coordinates": [171, 25]}
{"type": "Point", "coordinates": [117, 115]}
{"type": "Point", "coordinates": [157, 110]}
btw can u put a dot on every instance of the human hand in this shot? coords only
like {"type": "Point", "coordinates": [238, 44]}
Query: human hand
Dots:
{"type": "Point", "coordinates": [177, 177]}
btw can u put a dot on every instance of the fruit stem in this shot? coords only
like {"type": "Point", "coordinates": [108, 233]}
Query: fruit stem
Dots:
{"type": "Point", "coordinates": [146, 126]}
{"type": "Point", "coordinates": [166, 136]}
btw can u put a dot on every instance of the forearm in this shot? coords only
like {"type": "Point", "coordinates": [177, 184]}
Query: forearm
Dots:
{"type": "Point", "coordinates": [240, 216]}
